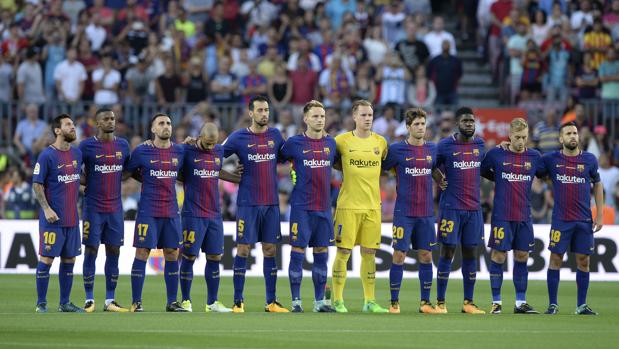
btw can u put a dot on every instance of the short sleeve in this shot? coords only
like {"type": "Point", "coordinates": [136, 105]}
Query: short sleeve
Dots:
{"type": "Point", "coordinates": [134, 160]}
{"type": "Point", "coordinates": [440, 157]}
{"type": "Point", "coordinates": [541, 169]}
{"type": "Point", "coordinates": [487, 163]}
{"type": "Point", "coordinates": [41, 168]}
{"type": "Point", "coordinates": [593, 170]}
{"type": "Point", "coordinates": [286, 150]}
{"type": "Point", "coordinates": [229, 145]}
{"type": "Point", "coordinates": [390, 160]}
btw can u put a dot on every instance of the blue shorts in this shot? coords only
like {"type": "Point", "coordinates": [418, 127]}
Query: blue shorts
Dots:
{"type": "Point", "coordinates": [511, 235]}
{"type": "Point", "coordinates": [418, 231]}
{"type": "Point", "coordinates": [205, 233]}
{"type": "Point", "coordinates": [157, 232]}
{"type": "Point", "coordinates": [106, 228]}
{"type": "Point", "coordinates": [461, 227]}
{"type": "Point", "coordinates": [577, 234]}
{"type": "Point", "coordinates": [258, 224]}
{"type": "Point", "coordinates": [57, 241]}
{"type": "Point", "coordinates": [311, 228]}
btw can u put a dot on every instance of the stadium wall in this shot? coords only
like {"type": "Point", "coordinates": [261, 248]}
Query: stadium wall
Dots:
{"type": "Point", "coordinates": [19, 242]}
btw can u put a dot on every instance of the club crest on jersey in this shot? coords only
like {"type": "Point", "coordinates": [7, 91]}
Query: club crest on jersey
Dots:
{"type": "Point", "coordinates": [429, 158]}
{"type": "Point", "coordinates": [326, 150]}
{"type": "Point", "coordinates": [217, 161]}
{"type": "Point", "coordinates": [119, 155]}
{"type": "Point", "coordinates": [271, 144]}
{"type": "Point", "coordinates": [74, 163]}
{"type": "Point", "coordinates": [580, 168]}
{"type": "Point", "coordinates": [175, 161]}
{"type": "Point", "coordinates": [476, 152]}
{"type": "Point", "coordinates": [527, 165]}
{"type": "Point", "coordinates": [48, 248]}
{"type": "Point", "coordinates": [376, 151]}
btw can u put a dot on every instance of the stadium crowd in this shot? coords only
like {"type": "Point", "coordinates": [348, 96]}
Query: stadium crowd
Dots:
{"type": "Point", "coordinates": [547, 56]}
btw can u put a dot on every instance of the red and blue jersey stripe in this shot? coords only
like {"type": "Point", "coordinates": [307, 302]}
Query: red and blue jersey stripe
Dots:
{"type": "Point", "coordinates": [200, 176]}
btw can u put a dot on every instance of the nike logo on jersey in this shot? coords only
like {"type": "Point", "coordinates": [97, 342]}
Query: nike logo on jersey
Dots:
{"type": "Point", "coordinates": [100, 156]}
{"type": "Point", "coordinates": [251, 145]}
{"type": "Point", "coordinates": [531, 245]}
{"type": "Point", "coordinates": [506, 163]}
{"type": "Point", "coordinates": [433, 244]}
{"type": "Point", "coordinates": [409, 159]}
{"type": "Point", "coordinates": [306, 151]}
{"type": "Point", "coordinates": [197, 160]}
{"type": "Point", "coordinates": [456, 153]}
{"type": "Point", "coordinates": [331, 240]}
{"type": "Point", "coordinates": [154, 161]}
{"type": "Point", "coordinates": [559, 166]}
{"type": "Point", "coordinates": [61, 166]}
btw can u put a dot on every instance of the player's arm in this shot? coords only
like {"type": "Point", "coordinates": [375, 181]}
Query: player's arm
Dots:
{"type": "Point", "coordinates": [229, 176]}
{"type": "Point", "coordinates": [487, 170]}
{"type": "Point", "coordinates": [598, 194]}
{"type": "Point", "coordinates": [39, 194]}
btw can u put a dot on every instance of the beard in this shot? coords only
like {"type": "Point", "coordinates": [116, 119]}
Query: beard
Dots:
{"type": "Point", "coordinates": [467, 133]}
{"type": "Point", "coordinates": [69, 137]}
{"type": "Point", "coordinates": [571, 147]}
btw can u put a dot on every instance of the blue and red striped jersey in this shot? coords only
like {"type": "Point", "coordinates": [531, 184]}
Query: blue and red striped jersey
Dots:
{"type": "Point", "coordinates": [200, 175]}
{"type": "Point", "coordinates": [158, 170]}
{"type": "Point", "coordinates": [461, 162]}
{"type": "Point", "coordinates": [413, 169]}
{"type": "Point", "coordinates": [571, 177]}
{"type": "Point", "coordinates": [59, 173]}
{"type": "Point", "coordinates": [513, 176]}
{"type": "Point", "coordinates": [259, 154]}
{"type": "Point", "coordinates": [312, 160]}
{"type": "Point", "coordinates": [104, 163]}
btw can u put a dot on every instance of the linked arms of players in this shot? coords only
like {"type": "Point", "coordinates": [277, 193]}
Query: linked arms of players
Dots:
{"type": "Point", "coordinates": [439, 178]}
{"type": "Point", "coordinates": [39, 194]}
{"type": "Point", "coordinates": [598, 195]}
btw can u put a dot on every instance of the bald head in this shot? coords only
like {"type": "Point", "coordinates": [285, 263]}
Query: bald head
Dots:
{"type": "Point", "coordinates": [209, 134]}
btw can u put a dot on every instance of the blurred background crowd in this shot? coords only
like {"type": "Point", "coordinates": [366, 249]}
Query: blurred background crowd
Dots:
{"type": "Point", "coordinates": [202, 60]}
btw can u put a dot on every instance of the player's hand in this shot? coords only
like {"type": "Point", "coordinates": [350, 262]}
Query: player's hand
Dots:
{"type": "Point", "coordinates": [50, 215]}
{"type": "Point", "coordinates": [148, 143]}
{"type": "Point", "coordinates": [190, 140]}
{"type": "Point", "coordinates": [443, 184]}
{"type": "Point", "coordinates": [597, 224]}
{"type": "Point", "coordinates": [238, 170]}
{"type": "Point", "coordinates": [504, 145]}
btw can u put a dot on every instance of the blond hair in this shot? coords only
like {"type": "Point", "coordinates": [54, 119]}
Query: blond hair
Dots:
{"type": "Point", "coordinates": [518, 124]}
{"type": "Point", "coordinates": [361, 103]}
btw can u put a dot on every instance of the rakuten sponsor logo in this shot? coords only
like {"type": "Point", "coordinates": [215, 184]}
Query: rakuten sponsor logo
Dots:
{"type": "Point", "coordinates": [415, 172]}
{"type": "Point", "coordinates": [513, 177]}
{"type": "Point", "coordinates": [466, 165]}
{"type": "Point", "coordinates": [206, 173]}
{"type": "Point", "coordinates": [163, 174]}
{"type": "Point", "coordinates": [565, 179]}
{"type": "Point", "coordinates": [108, 168]}
{"type": "Point", "coordinates": [260, 157]}
{"type": "Point", "coordinates": [313, 163]}
{"type": "Point", "coordinates": [68, 178]}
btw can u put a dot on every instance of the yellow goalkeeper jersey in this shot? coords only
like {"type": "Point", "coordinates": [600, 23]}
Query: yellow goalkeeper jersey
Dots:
{"type": "Point", "coordinates": [361, 160]}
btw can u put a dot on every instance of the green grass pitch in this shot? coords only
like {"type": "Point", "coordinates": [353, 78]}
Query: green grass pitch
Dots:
{"type": "Point", "coordinates": [20, 327]}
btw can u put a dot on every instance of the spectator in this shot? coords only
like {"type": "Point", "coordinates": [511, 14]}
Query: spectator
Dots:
{"type": "Point", "coordinates": [168, 85]}
{"type": "Point", "coordinates": [422, 92]}
{"type": "Point", "coordinates": [90, 63]}
{"type": "Point", "coordinates": [252, 84]}
{"type": "Point", "coordinates": [557, 16]}
{"type": "Point", "coordinates": [336, 84]}
{"type": "Point", "coordinates": [546, 133]}
{"type": "Point", "coordinates": [392, 21]}
{"type": "Point", "coordinates": [305, 52]}
{"type": "Point", "coordinates": [587, 79]}
{"type": "Point", "coordinates": [540, 28]}
{"type": "Point", "coordinates": [266, 67]}
{"type": "Point", "coordinates": [30, 79]}
{"type": "Point", "coordinates": [195, 82]}
{"type": "Point", "coordinates": [104, 14]}
{"type": "Point", "coordinates": [609, 176]}
{"type": "Point", "coordinates": [558, 65]}
{"type": "Point", "coordinates": [259, 13]}
{"type": "Point", "coordinates": [412, 51]}
{"type": "Point", "coordinates": [138, 80]}
{"type": "Point", "coordinates": [53, 53]}
{"type": "Point", "coordinates": [336, 9]}
{"type": "Point", "coordinates": [224, 84]}
{"type": "Point", "coordinates": [107, 81]}
{"type": "Point", "coordinates": [286, 123]}
{"type": "Point", "coordinates": [611, 19]}
{"type": "Point", "coordinates": [609, 77]}
{"type": "Point", "coordinates": [376, 46]}
{"type": "Point", "coordinates": [387, 121]}
{"type": "Point", "coordinates": [216, 25]}
{"type": "Point", "coordinates": [597, 42]}
{"type": "Point", "coordinates": [279, 87]}
{"type": "Point", "coordinates": [69, 77]}
{"type": "Point", "coordinates": [583, 17]}
{"type": "Point", "coordinates": [6, 81]}
{"type": "Point", "coordinates": [185, 25]}
{"type": "Point", "coordinates": [19, 203]}
{"type": "Point", "coordinates": [532, 70]}
{"type": "Point", "coordinates": [498, 12]}
{"type": "Point", "coordinates": [556, 35]}
{"type": "Point", "coordinates": [365, 87]}
{"type": "Point", "coordinates": [516, 46]}
{"type": "Point", "coordinates": [393, 77]}
{"type": "Point", "coordinates": [14, 43]}
{"type": "Point", "coordinates": [445, 71]}
{"type": "Point", "coordinates": [96, 33]}
{"type": "Point", "coordinates": [29, 130]}
{"type": "Point", "coordinates": [434, 39]}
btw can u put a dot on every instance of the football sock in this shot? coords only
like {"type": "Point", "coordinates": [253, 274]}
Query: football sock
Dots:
{"type": "Point", "coordinates": [339, 275]}
{"type": "Point", "coordinates": [240, 264]}
{"type": "Point", "coordinates": [368, 276]}
{"type": "Point", "coordinates": [395, 280]}
{"type": "Point", "coordinates": [186, 277]}
{"type": "Point", "coordinates": [496, 280]}
{"type": "Point", "coordinates": [295, 273]}
{"type": "Point", "coordinates": [552, 281]}
{"type": "Point", "coordinates": [111, 275]}
{"type": "Point", "coordinates": [442, 277]}
{"type": "Point", "coordinates": [170, 271]}
{"type": "Point", "coordinates": [521, 277]}
{"type": "Point", "coordinates": [42, 282]}
{"type": "Point", "coordinates": [469, 274]}
{"type": "Point", "coordinates": [89, 274]}
{"type": "Point", "coordinates": [425, 280]}
{"type": "Point", "coordinates": [211, 275]}
{"type": "Point", "coordinates": [65, 277]}
{"type": "Point", "coordinates": [137, 279]}
{"type": "Point", "coordinates": [319, 275]}
{"type": "Point", "coordinates": [269, 269]}
{"type": "Point", "coordinates": [582, 284]}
